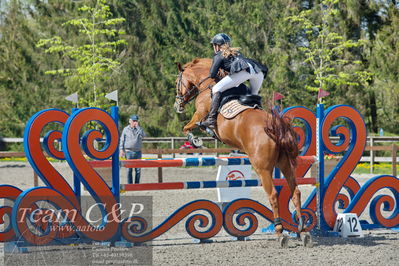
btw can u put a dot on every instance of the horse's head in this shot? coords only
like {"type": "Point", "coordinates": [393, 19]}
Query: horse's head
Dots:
{"type": "Point", "coordinates": [186, 90]}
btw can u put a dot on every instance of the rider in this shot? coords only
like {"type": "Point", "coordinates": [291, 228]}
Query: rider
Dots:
{"type": "Point", "coordinates": [240, 69]}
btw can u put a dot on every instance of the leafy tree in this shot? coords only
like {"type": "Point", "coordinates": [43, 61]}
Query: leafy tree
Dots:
{"type": "Point", "coordinates": [160, 33]}
{"type": "Point", "coordinates": [91, 60]}
{"type": "Point", "coordinates": [326, 51]}
{"type": "Point", "coordinates": [384, 61]}
{"type": "Point", "coordinates": [22, 93]}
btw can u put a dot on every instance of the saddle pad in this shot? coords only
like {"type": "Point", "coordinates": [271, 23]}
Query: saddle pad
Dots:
{"type": "Point", "coordinates": [233, 108]}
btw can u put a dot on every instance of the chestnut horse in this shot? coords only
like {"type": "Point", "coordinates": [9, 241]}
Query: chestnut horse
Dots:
{"type": "Point", "coordinates": [268, 140]}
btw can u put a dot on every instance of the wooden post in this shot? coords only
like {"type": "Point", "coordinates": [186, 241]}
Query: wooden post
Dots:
{"type": "Point", "coordinates": [372, 155]}
{"type": "Point", "coordinates": [394, 157]}
{"type": "Point", "coordinates": [160, 178]}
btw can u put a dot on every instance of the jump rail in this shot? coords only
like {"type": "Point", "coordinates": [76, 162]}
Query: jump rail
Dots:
{"type": "Point", "coordinates": [183, 162]}
{"type": "Point", "coordinates": [211, 184]}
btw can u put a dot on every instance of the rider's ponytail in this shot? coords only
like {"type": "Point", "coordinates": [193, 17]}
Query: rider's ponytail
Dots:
{"type": "Point", "coordinates": [229, 51]}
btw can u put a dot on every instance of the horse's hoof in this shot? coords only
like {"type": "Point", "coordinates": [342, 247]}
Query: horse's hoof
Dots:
{"type": "Point", "coordinates": [306, 239]}
{"type": "Point", "coordinates": [283, 241]}
{"type": "Point", "coordinates": [197, 143]}
{"type": "Point", "coordinates": [190, 136]}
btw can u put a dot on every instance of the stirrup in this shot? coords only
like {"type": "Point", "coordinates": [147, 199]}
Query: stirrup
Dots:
{"type": "Point", "coordinates": [211, 126]}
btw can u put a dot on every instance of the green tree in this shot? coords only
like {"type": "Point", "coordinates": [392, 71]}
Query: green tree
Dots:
{"type": "Point", "coordinates": [160, 33]}
{"type": "Point", "coordinates": [90, 61]}
{"type": "Point", "coordinates": [384, 61]}
{"type": "Point", "coordinates": [22, 90]}
{"type": "Point", "coordinates": [327, 52]}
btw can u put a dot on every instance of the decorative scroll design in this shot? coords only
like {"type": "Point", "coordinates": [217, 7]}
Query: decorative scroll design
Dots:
{"type": "Point", "coordinates": [352, 187]}
{"type": "Point", "coordinates": [387, 203]}
{"type": "Point", "coordinates": [307, 142]}
{"type": "Point", "coordinates": [71, 145]}
{"type": "Point", "coordinates": [36, 156]}
{"type": "Point", "coordinates": [352, 140]}
{"type": "Point", "coordinates": [11, 193]}
{"type": "Point", "coordinates": [58, 193]}
{"type": "Point", "coordinates": [242, 210]}
{"type": "Point", "coordinates": [133, 228]}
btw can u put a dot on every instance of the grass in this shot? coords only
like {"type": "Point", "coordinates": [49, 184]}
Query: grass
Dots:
{"type": "Point", "coordinates": [379, 168]}
{"type": "Point", "coordinates": [13, 159]}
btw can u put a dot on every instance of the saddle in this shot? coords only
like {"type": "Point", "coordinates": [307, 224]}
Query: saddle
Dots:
{"type": "Point", "coordinates": [236, 100]}
{"type": "Point", "coordinates": [233, 102]}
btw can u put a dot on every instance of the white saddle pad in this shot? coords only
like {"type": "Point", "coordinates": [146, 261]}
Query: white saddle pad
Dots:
{"type": "Point", "coordinates": [233, 108]}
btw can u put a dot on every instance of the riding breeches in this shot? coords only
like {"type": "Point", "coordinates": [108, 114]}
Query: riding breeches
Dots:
{"type": "Point", "coordinates": [233, 80]}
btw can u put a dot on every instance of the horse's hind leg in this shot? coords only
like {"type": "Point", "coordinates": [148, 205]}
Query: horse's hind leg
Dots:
{"type": "Point", "coordinates": [289, 175]}
{"type": "Point", "coordinates": [268, 186]}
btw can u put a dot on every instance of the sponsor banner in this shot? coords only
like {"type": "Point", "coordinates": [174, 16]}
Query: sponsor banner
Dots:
{"type": "Point", "coordinates": [233, 172]}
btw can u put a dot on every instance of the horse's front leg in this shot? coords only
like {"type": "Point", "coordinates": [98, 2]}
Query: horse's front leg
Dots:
{"type": "Point", "coordinates": [197, 117]}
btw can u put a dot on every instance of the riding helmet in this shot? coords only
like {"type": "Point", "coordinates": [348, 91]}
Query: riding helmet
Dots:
{"type": "Point", "coordinates": [221, 38]}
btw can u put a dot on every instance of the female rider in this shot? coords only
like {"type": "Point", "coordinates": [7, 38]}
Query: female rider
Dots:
{"type": "Point", "coordinates": [240, 69]}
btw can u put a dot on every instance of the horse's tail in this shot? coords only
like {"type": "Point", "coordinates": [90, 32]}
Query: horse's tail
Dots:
{"type": "Point", "coordinates": [281, 131]}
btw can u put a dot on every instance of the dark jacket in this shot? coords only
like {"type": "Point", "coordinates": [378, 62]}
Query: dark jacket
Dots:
{"type": "Point", "coordinates": [234, 64]}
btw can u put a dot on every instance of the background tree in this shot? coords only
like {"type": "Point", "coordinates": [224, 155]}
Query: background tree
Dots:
{"type": "Point", "coordinates": [91, 61]}
{"type": "Point", "coordinates": [160, 33]}
{"type": "Point", "coordinates": [328, 53]}
{"type": "Point", "coordinates": [22, 93]}
{"type": "Point", "coordinates": [384, 62]}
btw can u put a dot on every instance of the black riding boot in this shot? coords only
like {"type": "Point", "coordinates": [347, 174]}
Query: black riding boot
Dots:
{"type": "Point", "coordinates": [213, 113]}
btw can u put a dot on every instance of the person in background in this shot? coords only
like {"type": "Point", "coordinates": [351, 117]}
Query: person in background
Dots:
{"type": "Point", "coordinates": [130, 145]}
{"type": "Point", "coordinates": [187, 145]}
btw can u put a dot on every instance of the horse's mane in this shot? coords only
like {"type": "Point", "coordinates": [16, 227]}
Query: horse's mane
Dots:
{"type": "Point", "coordinates": [199, 64]}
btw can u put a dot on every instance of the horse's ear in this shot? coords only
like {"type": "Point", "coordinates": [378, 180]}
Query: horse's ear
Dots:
{"type": "Point", "coordinates": [179, 66]}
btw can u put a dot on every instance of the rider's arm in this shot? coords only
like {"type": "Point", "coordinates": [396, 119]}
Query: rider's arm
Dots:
{"type": "Point", "coordinates": [216, 63]}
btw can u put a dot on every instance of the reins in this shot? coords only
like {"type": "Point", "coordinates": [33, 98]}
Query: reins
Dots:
{"type": "Point", "coordinates": [191, 93]}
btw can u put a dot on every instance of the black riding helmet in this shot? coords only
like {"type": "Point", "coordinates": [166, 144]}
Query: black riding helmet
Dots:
{"type": "Point", "coordinates": [221, 38]}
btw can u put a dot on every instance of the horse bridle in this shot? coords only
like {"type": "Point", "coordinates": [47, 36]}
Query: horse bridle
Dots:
{"type": "Point", "coordinates": [191, 92]}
